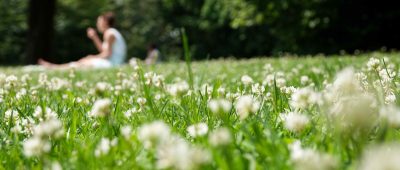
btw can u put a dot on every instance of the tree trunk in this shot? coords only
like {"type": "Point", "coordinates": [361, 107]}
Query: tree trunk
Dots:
{"type": "Point", "coordinates": [41, 30]}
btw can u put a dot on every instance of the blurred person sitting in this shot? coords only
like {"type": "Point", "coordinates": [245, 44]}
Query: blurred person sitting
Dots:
{"type": "Point", "coordinates": [153, 55]}
{"type": "Point", "coordinates": [112, 50]}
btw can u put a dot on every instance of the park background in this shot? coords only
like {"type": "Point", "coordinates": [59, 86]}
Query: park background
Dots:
{"type": "Point", "coordinates": [215, 28]}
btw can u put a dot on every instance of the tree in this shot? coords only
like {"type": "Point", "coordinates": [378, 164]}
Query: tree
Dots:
{"type": "Point", "coordinates": [41, 30]}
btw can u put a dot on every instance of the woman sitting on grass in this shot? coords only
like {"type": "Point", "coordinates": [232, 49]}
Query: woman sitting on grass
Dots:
{"type": "Point", "coordinates": [112, 51]}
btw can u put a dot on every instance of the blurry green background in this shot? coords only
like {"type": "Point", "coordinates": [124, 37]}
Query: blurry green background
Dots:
{"type": "Point", "coordinates": [216, 28]}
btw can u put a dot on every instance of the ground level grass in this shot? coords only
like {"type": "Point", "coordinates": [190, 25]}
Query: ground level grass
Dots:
{"type": "Point", "coordinates": [337, 112]}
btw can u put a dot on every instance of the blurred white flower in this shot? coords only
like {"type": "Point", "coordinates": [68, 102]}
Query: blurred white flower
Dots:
{"type": "Point", "coordinates": [133, 62]}
{"type": "Point", "coordinates": [218, 106]}
{"type": "Point", "coordinates": [350, 107]}
{"type": "Point", "coordinates": [56, 166]}
{"type": "Point", "coordinates": [178, 89]}
{"type": "Point", "coordinates": [385, 157]}
{"type": "Point", "coordinates": [309, 159]}
{"type": "Point", "coordinates": [102, 87]}
{"type": "Point", "coordinates": [257, 89]}
{"type": "Point", "coordinates": [11, 81]}
{"type": "Point", "coordinates": [246, 105]}
{"type": "Point", "coordinates": [390, 98]}
{"type": "Point", "coordinates": [36, 147]}
{"type": "Point", "coordinates": [50, 128]}
{"type": "Point", "coordinates": [220, 137]}
{"type": "Point", "coordinates": [101, 108]}
{"type": "Point", "coordinates": [196, 130]}
{"type": "Point", "coordinates": [141, 101]}
{"type": "Point", "coordinates": [178, 154]}
{"type": "Point", "coordinates": [295, 122]}
{"type": "Point", "coordinates": [154, 133]}
{"type": "Point", "coordinates": [373, 64]}
{"type": "Point", "coordinates": [103, 147]}
{"type": "Point", "coordinates": [48, 114]}
{"type": "Point", "coordinates": [391, 114]}
{"type": "Point", "coordinates": [130, 112]}
{"type": "Point", "coordinates": [11, 115]}
{"type": "Point", "coordinates": [246, 80]}
{"type": "Point", "coordinates": [304, 80]}
{"type": "Point", "coordinates": [304, 98]}
{"type": "Point", "coordinates": [346, 83]}
{"type": "Point", "coordinates": [126, 131]}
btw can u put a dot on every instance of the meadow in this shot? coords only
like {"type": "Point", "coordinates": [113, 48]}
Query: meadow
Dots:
{"type": "Point", "coordinates": [308, 113]}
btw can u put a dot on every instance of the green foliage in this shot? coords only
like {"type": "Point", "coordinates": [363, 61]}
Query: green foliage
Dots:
{"type": "Point", "coordinates": [215, 28]}
{"type": "Point", "coordinates": [13, 27]}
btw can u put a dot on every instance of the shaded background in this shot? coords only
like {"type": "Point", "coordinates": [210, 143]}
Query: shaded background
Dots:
{"type": "Point", "coordinates": [216, 28]}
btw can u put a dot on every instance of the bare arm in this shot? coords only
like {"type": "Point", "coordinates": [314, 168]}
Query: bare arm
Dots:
{"type": "Point", "coordinates": [92, 34]}
{"type": "Point", "coordinates": [106, 51]}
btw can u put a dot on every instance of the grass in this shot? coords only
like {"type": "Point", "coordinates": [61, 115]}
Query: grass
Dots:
{"type": "Point", "coordinates": [260, 141]}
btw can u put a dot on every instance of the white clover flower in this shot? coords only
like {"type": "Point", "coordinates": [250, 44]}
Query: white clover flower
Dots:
{"type": "Point", "coordinates": [352, 112]}
{"type": "Point", "coordinates": [295, 122]}
{"type": "Point", "coordinates": [11, 115]}
{"type": "Point", "coordinates": [48, 114]}
{"type": "Point", "coordinates": [386, 157]}
{"type": "Point", "coordinates": [130, 112]}
{"type": "Point", "coordinates": [154, 133]}
{"type": "Point", "coordinates": [247, 80]}
{"type": "Point", "coordinates": [141, 101]}
{"type": "Point", "coordinates": [49, 128]}
{"type": "Point", "coordinates": [80, 84]}
{"type": "Point", "coordinates": [391, 114]}
{"type": "Point", "coordinates": [149, 78]}
{"type": "Point", "coordinates": [269, 80]}
{"type": "Point", "coordinates": [58, 83]}
{"type": "Point", "coordinates": [133, 62]}
{"type": "Point", "coordinates": [373, 64]}
{"type": "Point", "coordinates": [11, 81]}
{"type": "Point", "coordinates": [221, 91]}
{"type": "Point", "coordinates": [346, 83]}
{"type": "Point", "coordinates": [268, 68]}
{"type": "Point", "coordinates": [178, 154]}
{"type": "Point", "coordinates": [206, 89]}
{"type": "Point", "coordinates": [280, 82]}
{"type": "Point", "coordinates": [56, 166]}
{"type": "Point", "coordinates": [16, 129]}
{"type": "Point", "coordinates": [309, 159]}
{"type": "Point", "coordinates": [349, 106]}
{"type": "Point", "coordinates": [178, 89]}
{"type": "Point", "coordinates": [288, 90]}
{"type": "Point", "coordinates": [103, 148]}
{"type": "Point", "coordinates": [387, 75]}
{"type": "Point", "coordinates": [257, 89]}
{"type": "Point", "coordinates": [197, 130]}
{"type": "Point", "coordinates": [126, 131]}
{"type": "Point", "coordinates": [220, 137]}
{"type": "Point", "coordinates": [304, 80]}
{"type": "Point", "coordinates": [246, 105]}
{"type": "Point", "coordinates": [101, 108]}
{"type": "Point", "coordinates": [218, 106]}
{"type": "Point", "coordinates": [390, 98]}
{"type": "Point", "coordinates": [158, 96]}
{"type": "Point", "coordinates": [21, 93]}
{"type": "Point", "coordinates": [304, 98]}
{"type": "Point", "coordinates": [102, 87]}
{"type": "Point", "coordinates": [36, 147]}
{"type": "Point", "coordinates": [232, 96]}
{"type": "Point", "coordinates": [158, 80]}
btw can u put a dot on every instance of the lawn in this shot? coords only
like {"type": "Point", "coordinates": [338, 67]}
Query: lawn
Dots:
{"type": "Point", "coordinates": [332, 112]}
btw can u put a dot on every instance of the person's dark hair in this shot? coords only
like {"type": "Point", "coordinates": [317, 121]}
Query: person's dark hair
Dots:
{"type": "Point", "coordinates": [152, 46]}
{"type": "Point", "coordinates": [109, 17]}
